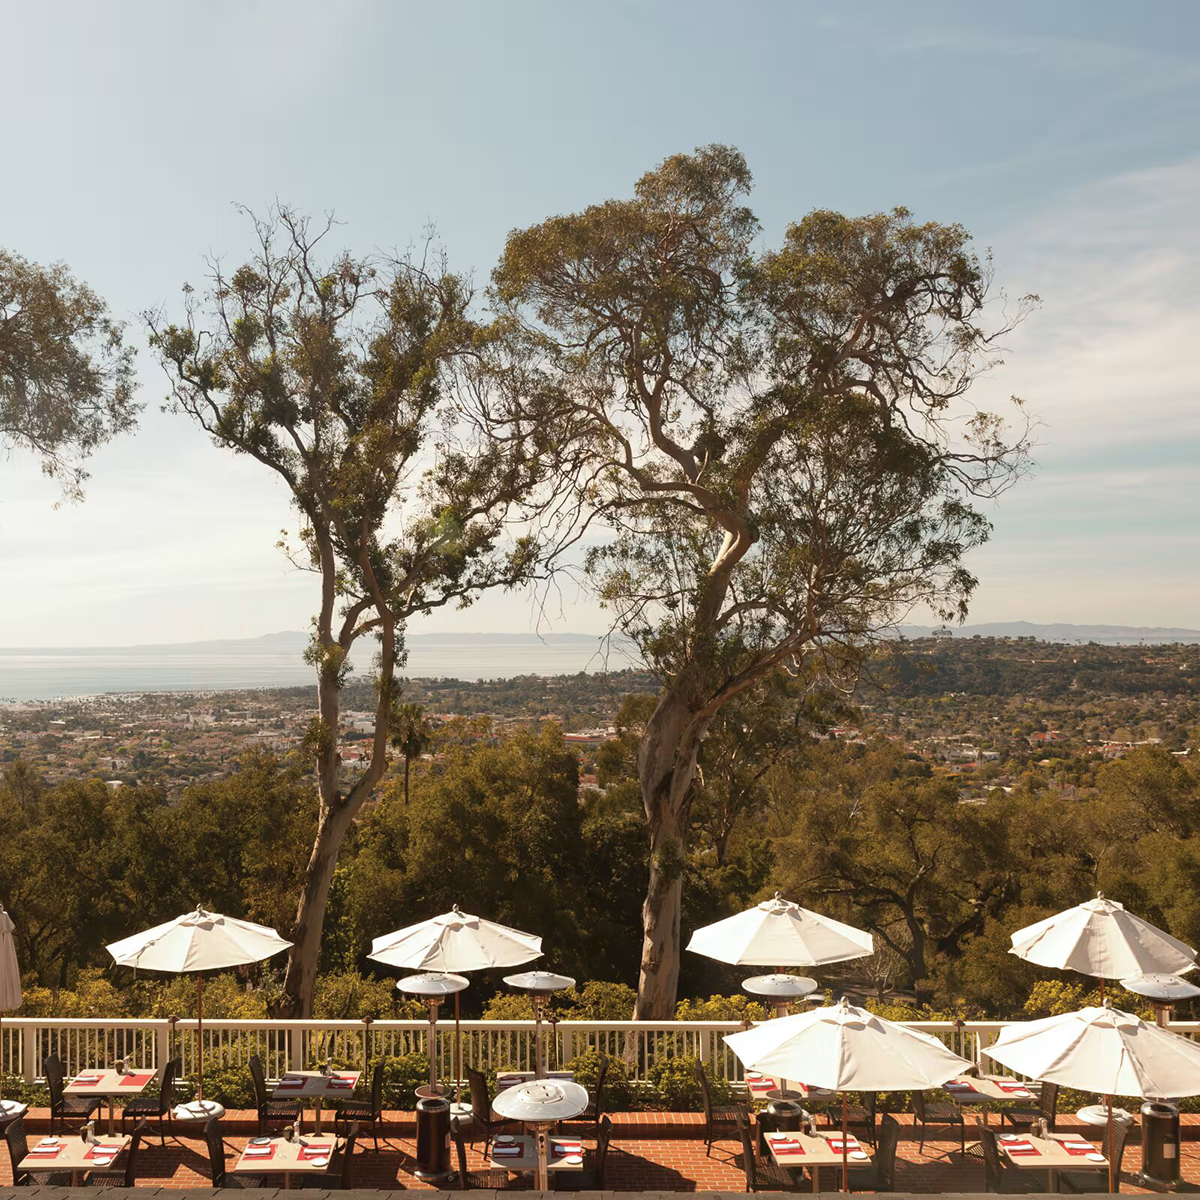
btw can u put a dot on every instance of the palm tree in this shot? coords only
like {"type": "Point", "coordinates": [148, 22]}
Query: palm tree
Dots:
{"type": "Point", "coordinates": [410, 734]}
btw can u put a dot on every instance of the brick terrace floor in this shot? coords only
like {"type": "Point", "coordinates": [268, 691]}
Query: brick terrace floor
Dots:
{"type": "Point", "coordinates": [650, 1152]}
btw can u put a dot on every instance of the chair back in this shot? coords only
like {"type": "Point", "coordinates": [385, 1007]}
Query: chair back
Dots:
{"type": "Point", "coordinates": [216, 1150]}
{"type": "Point", "coordinates": [885, 1154]}
{"type": "Point", "coordinates": [18, 1147]}
{"type": "Point", "coordinates": [166, 1093]}
{"type": "Point", "coordinates": [918, 1104]}
{"type": "Point", "coordinates": [1114, 1145]}
{"type": "Point", "coordinates": [135, 1143]}
{"type": "Point", "coordinates": [55, 1073]}
{"type": "Point", "coordinates": [1048, 1104]}
{"type": "Point", "coordinates": [481, 1102]}
{"type": "Point", "coordinates": [348, 1156]}
{"type": "Point", "coordinates": [377, 1091]}
{"type": "Point", "coordinates": [743, 1126]}
{"type": "Point", "coordinates": [705, 1094]}
{"type": "Point", "coordinates": [603, 1139]}
{"type": "Point", "coordinates": [992, 1166]}
{"type": "Point", "coordinates": [601, 1079]}
{"type": "Point", "coordinates": [259, 1079]}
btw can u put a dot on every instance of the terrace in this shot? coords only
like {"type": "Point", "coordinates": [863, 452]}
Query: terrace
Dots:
{"type": "Point", "coordinates": [651, 1151]}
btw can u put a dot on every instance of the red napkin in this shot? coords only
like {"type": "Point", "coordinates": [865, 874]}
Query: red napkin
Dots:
{"type": "Point", "coordinates": [342, 1081]}
{"type": "Point", "coordinates": [508, 1151]}
{"type": "Point", "coordinates": [253, 1152]}
{"type": "Point", "coordinates": [289, 1083]}
{"type": "Point", "coordinates": [1021, 1148]}
{"type": "Point", "coordinates": [136, 1080]}
{"type": "Point", "coordinates": [45, 1151]}
{"type": "Point", "coordinates": [959, 1085]}
{"type": "Point", "coordinates": [563, 1149]}
{"type": "Point", "coordinates": [86, 1081]}
{"type": "Point", "coordinates": [316, 1151]}
{"type": "Point", "coordinates": [1078, 1147]}
{"type": "Point", "coordinates": [1014, 1089]}
{"type": "Point", "coordinates": [836, 1144]}
{"type": "Point", "coordinates": [99, 1151]}
{"type": "Point", "coordinates": [788, 1145]}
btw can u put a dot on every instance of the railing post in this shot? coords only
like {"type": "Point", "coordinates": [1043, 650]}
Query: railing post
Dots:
{"type": "Point", "coordinates": [162, 1044]}
{"type": "Point", "coordinates": [28, 1057]}
{"type": "Point", "coordinates": [568, 1044]}
{"type": "Point", "coordinates": [295, 1048]}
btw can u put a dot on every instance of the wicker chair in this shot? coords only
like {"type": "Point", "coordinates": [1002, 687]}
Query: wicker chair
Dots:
{"type": "Point", "coordinates": [763, 1173]}
{"type": "Point", "coordinates": [18, 1148]}
{"type": "Point", "coordinates": [481, 1108]}
{"type": "Point", "coordinates": [65, 1108]}
{"type": "Point", "coordinates": [880, 1174]}
{"type": "Point", "coordinates": [999, 1176]}
{"type": "Point", "coordinates": [488, 1179]}
{"type": "Point", "coordinates": [216, 1160]}
{"type": "Point", "coordinates": [864, 1115]}
{"type": "Point", "coordinates": [1097, 1181]}
{"type": "Point", "coordinates": [128, 1177]}
{"type": "Point", "coordinates": [591, 1178]}
{"type": "Point", "coordinates": [364, 1112]}
{"type": "Point", "coordinates": [717, 1114]}
{"type": "Point", "coordinates": [270, 1111]}
{"type": "Point", "coordinates": [1022, 1116]}
{"type": "Point", "coordinates": [156, 1108]}
{"type": "Point", "coordinates": [938, 1114]}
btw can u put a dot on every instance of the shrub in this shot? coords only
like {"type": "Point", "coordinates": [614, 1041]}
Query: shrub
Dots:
{"type": "Point", "coordinates": [599, 1001]}
{"type": "Point", "coordinates": [227, 1083]}
{"type": "Point", "coordinates": [618, 1089]}
{"type": "Point", "coordinates": [722, 1008]}
{"type": "Point", "coordinates": [402, 1075]}
{"type": "Point", "coordinates": [677, 1089]}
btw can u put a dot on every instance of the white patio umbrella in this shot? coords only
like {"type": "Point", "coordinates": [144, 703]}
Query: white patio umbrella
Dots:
{"type": "Point", "coordinates": [455, 942]}
{"type": "Point", "coordinates": [846, 1049]}
{"type": "Point", "coordinates": [778, 933]}
{"type": "Point", "coordinates": [1104, 1050]}
{"type": "Point", "coordinates": [10, 981]}
{"type": "Point", "coordinates": [1101, 937]}
{"type": "Point", "coordinates": [198, 941]}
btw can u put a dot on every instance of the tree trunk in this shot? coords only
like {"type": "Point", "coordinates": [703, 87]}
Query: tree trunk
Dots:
{"type": "Point", "coordinates": [300, 980]}
{"type": "Point", "coordinates": [407, 760]}
{"type": "Point", "coordinates": [666, 768]}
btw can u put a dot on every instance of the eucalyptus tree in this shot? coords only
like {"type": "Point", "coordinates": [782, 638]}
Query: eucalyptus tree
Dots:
{"type": "Point", "coordinates": [66, 375]}
{"type": "Point", "coordinates": [345, 377]}
{"type": "Point", "coordinates": [779, 441]}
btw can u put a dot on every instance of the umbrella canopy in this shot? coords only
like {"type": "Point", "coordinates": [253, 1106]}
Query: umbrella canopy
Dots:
{"type": "Point", "coordinates": [455, 941]}
{"type": "Point", "coordinates": [198, 941]}
{"type": "Point", "coordinates": [1099, 937]}
{"type": "Point", "coordinates": [10, 973]}
{"type": "Point", "coordinates": [778, 933]}
{"type": "Point", "coordinates": [844, 1048]}
{"type": "Point", "coordinates": [1101, 1050]}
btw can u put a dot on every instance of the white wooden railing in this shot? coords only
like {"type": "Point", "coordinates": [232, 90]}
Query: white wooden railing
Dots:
{"type": "Point", "coordinates": [284, 1045]}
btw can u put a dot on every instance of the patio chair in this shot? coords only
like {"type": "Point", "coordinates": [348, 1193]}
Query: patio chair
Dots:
{"type": "Point", "coordinates": [128, 1177]}
{"type": "Point", "coordinates": [487, 1179]}
{"type": "Point", "coordinates": [18, 1148]}
{"type": "Point", "coordinates": [216, 1161]}
{"type": "Point", "coordinates": [880, 1174]}
{"type": "Point", "coordinates": [1022, 1116]}
{"type": "Point", "coordinates": [863, 1115]}
{"type": "Point", "coordinates": [270, 1111]}
{"type": "Point", "coordinates": [342, 1168]}
{"type": "Point", "coordinates": [938, 1114]}
{"type": "Point", "coordinates": [481, 1108]}
{"type": "Point", "coordinates": [1097, 1180]}
{"type": "Point", "coordinates": [1001, 1176]}
{"type": "Point", "coordinates": [591, 1178]}
{"type": "Point", "coordinates": [64, 1109]}
{"type": "Point", "coordinates": [717, 1114]}
{"type": "Point", "coordinates": [361, 1111]}
{"type": "Point", "coordinates": [157, 1108]}
{"type": "Point", "coordinates": [763, 1173]}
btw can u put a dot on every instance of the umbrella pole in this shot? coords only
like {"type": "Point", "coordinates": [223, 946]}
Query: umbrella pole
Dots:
{"type": "Point", "coordinates": [199, 1036]}
{"type": "Point", "coordinates": [433, 1047]}
{"type": "Point", "coordinates": [1, 1057]}
{"type": "Point", "coordinates": [457, 1054]}
{"type": "Point", "coordinates": [1108, 1139]}
{"type": "Point", "coordinates": [845, 1148]}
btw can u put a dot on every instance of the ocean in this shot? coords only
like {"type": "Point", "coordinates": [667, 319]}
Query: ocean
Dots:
{"type": "Point", "coordinates": [275, 661]}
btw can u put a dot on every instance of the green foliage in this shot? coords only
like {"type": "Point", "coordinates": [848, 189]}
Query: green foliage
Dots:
{"type": "Point", "coordinates": [597, 1000]}
{"type": "Point", "coordinates": [722, 1008]}
{"type": "Point", "coordinates": [402, 1075]}
{"type": "Point", "coordinates": [673, 1078]}
{"type": "Point", "coordinates": [225, 1082]}
{"type": "Point", "coordinates": [619, 1092]}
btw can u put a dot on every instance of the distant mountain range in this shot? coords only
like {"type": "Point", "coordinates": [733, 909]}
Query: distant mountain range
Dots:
{"type": "Point", "coordinates": [1060, 632]}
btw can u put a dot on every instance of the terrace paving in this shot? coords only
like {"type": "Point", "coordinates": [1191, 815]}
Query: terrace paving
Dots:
{"type": "Point", "coordinates": [651, 1152]}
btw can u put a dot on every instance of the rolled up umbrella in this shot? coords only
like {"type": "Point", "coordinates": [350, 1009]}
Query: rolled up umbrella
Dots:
{"type": "Point", "coordinates": [10, 980]}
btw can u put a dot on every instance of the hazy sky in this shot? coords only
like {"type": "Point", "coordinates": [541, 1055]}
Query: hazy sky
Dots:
{"type": "Point", "coordinates": [1065, 136]}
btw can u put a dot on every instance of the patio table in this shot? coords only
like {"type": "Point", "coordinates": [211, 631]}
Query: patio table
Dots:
{"type": "Point", "coordinates": [561, 1151]}
{"type": "Point", "coordinates": [1058, 1152]}
{"type": "Point", "coordinates": [110, 1084]}
{"type": "Point", "coordinates": [316, 1086]}
{"type": "Point", "coordinates": [794, 1150]}
{"type": "Point", "coordinates": [507, 1079]}
{"type": "Point", "coordinates": [307, 1155]}
{"type": "Point", "coordinates": [766, 1087]}
{"type": "Point", "coordinates": [72, 1153]}
{"type": "Point", "coordinates": [982, 1091]}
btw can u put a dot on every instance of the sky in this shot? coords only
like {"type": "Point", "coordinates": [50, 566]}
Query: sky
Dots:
{"type": "Point", "coordinates": [1065, 137]}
